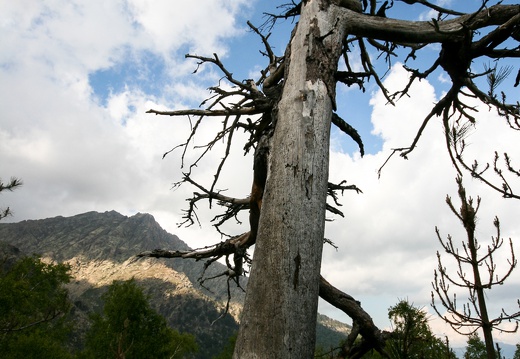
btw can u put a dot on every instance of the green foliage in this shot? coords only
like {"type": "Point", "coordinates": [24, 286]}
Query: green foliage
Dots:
{"type": "Point", "coordinates": [475, 349]}
{"type": "Point", "coordinates": [517, 352]}
{"type": "Point", "coordinates": [412, 336]}
{"type": "Point", "coordinates": [411, 329]}
{"type": "Point", "coordinates": [37, 344]}
{"type": "Point", "coordinates": [129, 328]}
{"type": "Point", "coordinates": [227, 352]}
{"type": "Point", "coordinates": [33, 308]}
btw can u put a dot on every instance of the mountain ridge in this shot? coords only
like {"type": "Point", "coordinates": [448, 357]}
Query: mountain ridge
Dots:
{"type": "Point", "coordinates": [101, 247]}
{"type": "Point", "coordinates": [106, 236]}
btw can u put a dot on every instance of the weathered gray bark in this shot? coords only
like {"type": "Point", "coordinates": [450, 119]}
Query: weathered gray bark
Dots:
{"type": "Point", "coordinates": [280, 322]}
{"type": "Point", "coordinates": [425, 31]}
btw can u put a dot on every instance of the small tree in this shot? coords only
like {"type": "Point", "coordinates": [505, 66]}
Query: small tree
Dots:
{"type": "Point", "coordinates": [33, 309]}
{"type": "Point", "coordinates": [473, 315]}
{"type": "Point", "coordinates": [475, 348]}
{"type": "Point", "coordinates": [410, 330]}
{"type": "Point", "coordinates": [129, 328]}
{"type": "Point", "coordinates": [411, 336]}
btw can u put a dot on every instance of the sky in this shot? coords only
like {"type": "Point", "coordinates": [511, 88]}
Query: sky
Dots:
{"type": "Point", "coordinates": [76, 78]}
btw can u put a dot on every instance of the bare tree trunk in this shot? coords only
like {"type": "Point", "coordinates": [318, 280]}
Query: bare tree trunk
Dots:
{"type": "Point", "coordinates": [279, 316]}
{"type": "Point", "coordinates": [487, 327]}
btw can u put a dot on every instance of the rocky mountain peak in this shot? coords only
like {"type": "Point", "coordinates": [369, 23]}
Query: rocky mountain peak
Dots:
{"type": "Point", "coordinates": [112, 237]}
{"type": "Point", "coordinates": [101, 248]}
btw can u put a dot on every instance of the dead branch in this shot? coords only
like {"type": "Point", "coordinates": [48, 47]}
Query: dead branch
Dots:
{"type": "Point", "coordinates": [458, 52]}
{"type": "Point", "coordinates": [210, 113]}
{"type": "Point", "coordinates": [440, 9]}
{"type": "Point", "coordinates": [332, 191]}
{"type": "Point", "coordinates": [477, 172]}
{"type": "Point", "coordinates": [348, 130]}
{"type": "Point", "coordinates": [373, 337]}
{"type": "Point", "coordinates": [367, 65]}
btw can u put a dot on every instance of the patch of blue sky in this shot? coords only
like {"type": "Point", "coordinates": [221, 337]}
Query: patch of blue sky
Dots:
{"type": "Point", "coordinates": [145, 71]}
{"type": "Point", "coordinates": [246, 51]}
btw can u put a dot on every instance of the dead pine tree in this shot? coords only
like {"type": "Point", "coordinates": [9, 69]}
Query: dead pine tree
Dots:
{"type": "Point", "coordinates": [288, 112]}
{"type": "Point", "coordinates": [476, 272]}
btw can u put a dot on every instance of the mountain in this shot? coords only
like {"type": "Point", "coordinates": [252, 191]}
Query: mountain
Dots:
{"type": "Point", "coordinates": [101, 248]}
{"type": "Point", "coordinates": [330, 332]}
{"type": "Point", "coordinates": [108, 238]}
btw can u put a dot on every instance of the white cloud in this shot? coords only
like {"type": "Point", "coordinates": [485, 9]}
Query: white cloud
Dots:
{"type": "Point", "coordinates": [201, 24]}
{"type": "Point", "coordinates": [73, 153]}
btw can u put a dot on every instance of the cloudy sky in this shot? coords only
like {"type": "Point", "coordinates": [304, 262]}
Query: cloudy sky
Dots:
{"type": "Point", "coordinates": [76, 78]}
